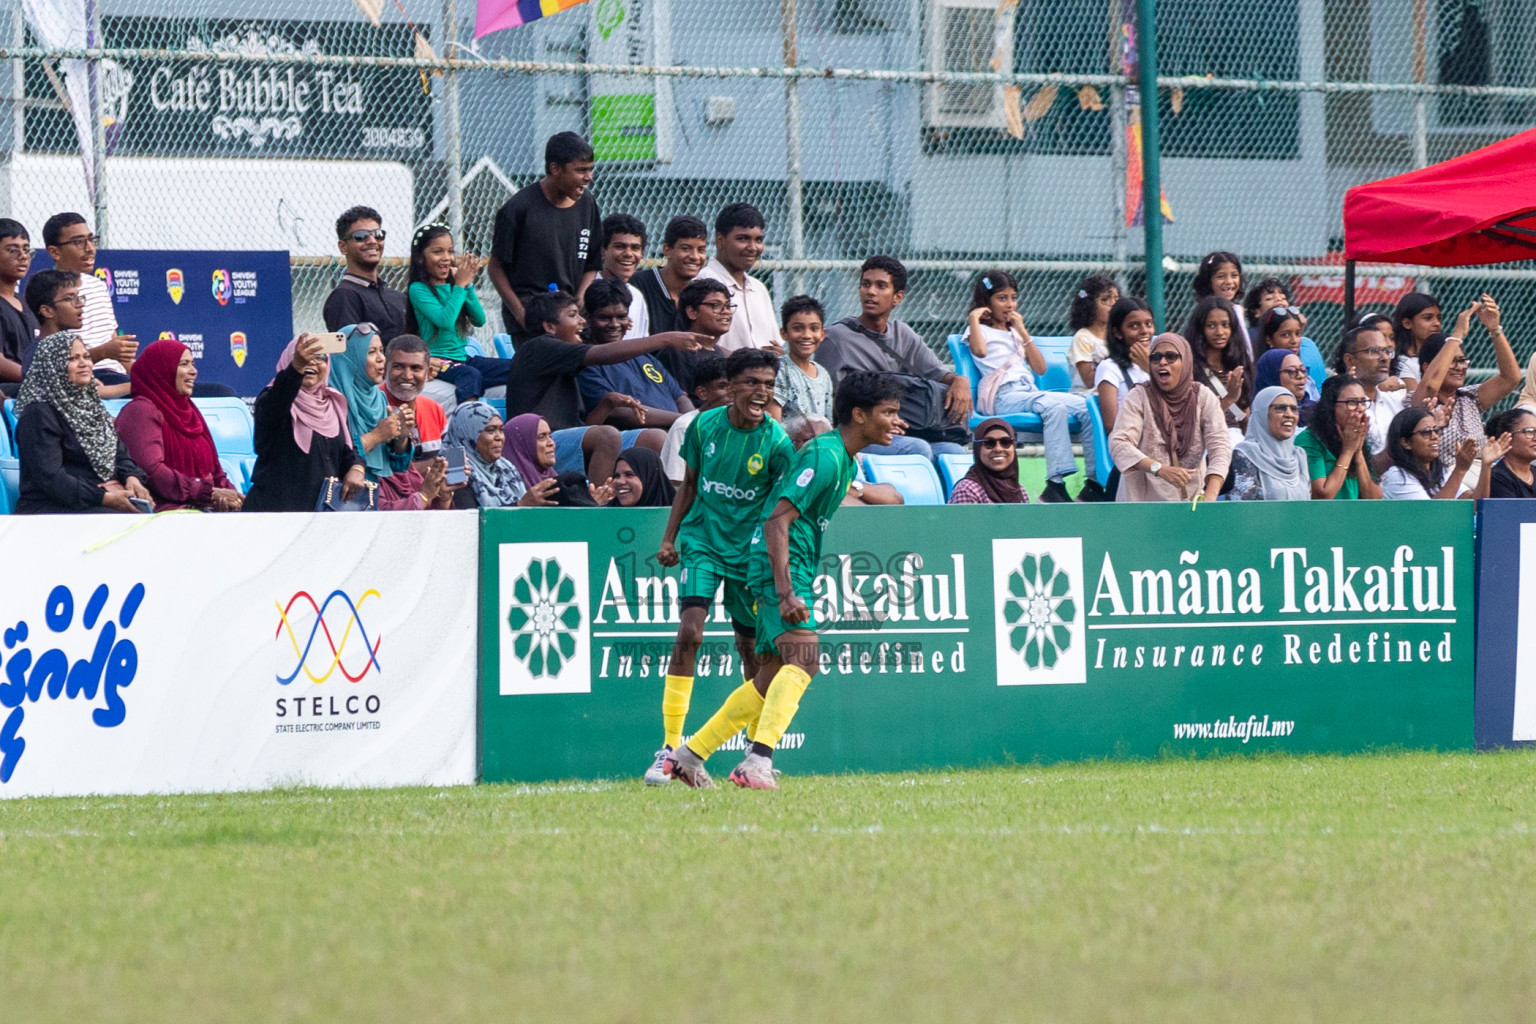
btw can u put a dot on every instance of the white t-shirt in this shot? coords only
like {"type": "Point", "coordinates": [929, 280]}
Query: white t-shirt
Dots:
{"type": "Point", "coordinates": [1109, 370]}
{"type": "Point", "coordinates": [672, 462]}
{"type": "Point", "coordinates": [98, 319]}
{"type": "Point", "coordinates": [1001, 347]}
{"type": "Point", "coordinates": [639, 315]}
{"type": "Point", "coordinates": [1086, 347]}
{"type": "Point", "coordinates": [755, 323]}
{"type": "Point", "coordinates": [1399, 486]}
{"type": "Point", "coordinates": [1379, 413]}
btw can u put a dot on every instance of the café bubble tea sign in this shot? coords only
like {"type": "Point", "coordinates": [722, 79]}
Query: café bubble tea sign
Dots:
{"type": "Point", "coordinates": [987, 634]}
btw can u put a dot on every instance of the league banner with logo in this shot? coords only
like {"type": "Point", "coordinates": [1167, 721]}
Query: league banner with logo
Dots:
{"type": "Point", "coordinates": [1506, 624]}
{"type": "Point", "coordinates": [190, 652]}
{"type": "Point", "coordinates": [971, 635]}
{"type": "Point", "coordinates": [234, 310]}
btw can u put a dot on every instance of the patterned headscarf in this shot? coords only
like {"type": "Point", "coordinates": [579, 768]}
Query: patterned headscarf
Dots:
{"type": "Point", "coordinates": [317, 410]}
{"type": "Point", "coordinates": [366, 402]}
{"type": "Point", "coordinates": [496, 484]}
{"type": "Point", "coordinates": [47, 380]}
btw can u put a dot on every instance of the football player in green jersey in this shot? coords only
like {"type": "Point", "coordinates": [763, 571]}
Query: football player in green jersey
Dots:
{"type": "Point", "coordinates": [786, 552]}
{"type": "Point", "coordinates": [736, 458]}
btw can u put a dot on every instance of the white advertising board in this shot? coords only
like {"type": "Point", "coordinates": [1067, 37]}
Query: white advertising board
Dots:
{"type": "Point", "coordinates": [191, 652]}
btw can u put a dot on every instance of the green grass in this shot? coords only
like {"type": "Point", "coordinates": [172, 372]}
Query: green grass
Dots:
{"type": "Point", "coordinates": [1384, 888]}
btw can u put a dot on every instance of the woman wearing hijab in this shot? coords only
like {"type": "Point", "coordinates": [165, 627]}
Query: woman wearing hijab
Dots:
{"type": "Point", "coordinates": [1282, 368]}
{"type": "Point", "coordinates": [71, 458]}
{"type": "Point", "coordinates": [379, 432]}
{"type": "Point", "coordinates": [531, 448]}
{"type": "Point", "coordinates": [1266, 464]}
{"type": "Point", "coordinates": [638, 481]}
{"type": "Point", "coordinates": [494, 482]}
{"type": "Point", "coordinates": [301, 434]}
{"type": "Point", "coordinates": [167, 436]}
{"type": "Point", "coordinates": [1170, 441]}
{"type": "Point", "coordinates": [994, 478]}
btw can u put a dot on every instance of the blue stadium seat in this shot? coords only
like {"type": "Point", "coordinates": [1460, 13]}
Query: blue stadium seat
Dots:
{"type": "Point", "coordinates": [10, 484]}
{"type": "Point", "coordinates": [1101, 466]}
{"type": "Point", "coordinates": [499, 404]}
{"type": "Point", "coordinates": [231, 424]}
{"type": "Point", "coordinates": [912, 475]}
{"type": "Point", "coordinates": [472, 348]}
{"type": "Point", "coordinates": [10, 415]}
{"type": "Point", "coordinates": [114, 405]}
{"type": "Point", "coordinates": [503, 343]}
{"type": "Point", "coordinates": [1058, 376]}
{"type": "Point", "coordinates": [953, 466]}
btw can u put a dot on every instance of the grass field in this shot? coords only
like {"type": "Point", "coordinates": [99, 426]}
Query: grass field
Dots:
{"type": "Point", "coordinates": [1394, 887]}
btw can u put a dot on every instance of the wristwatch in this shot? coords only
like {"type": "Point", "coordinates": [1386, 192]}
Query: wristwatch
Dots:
{"type": "Point", "coordinates": [1154, 468]}
{"type": "Point", "coordinates": [857, 487]}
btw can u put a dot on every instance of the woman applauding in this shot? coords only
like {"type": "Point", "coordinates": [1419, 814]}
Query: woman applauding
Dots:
{"type": "Point", "coordinates": [1266, 464]}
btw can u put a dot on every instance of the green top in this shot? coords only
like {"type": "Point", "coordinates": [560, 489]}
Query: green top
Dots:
{"type": "Point", "coordinates": [437, 316]}
{"type": "Point", "coordinates": [1320, 462]}
{"type": "Point", "coordinates": [739, 473]}
{"type": "Point", "coordinates": [816, 484]}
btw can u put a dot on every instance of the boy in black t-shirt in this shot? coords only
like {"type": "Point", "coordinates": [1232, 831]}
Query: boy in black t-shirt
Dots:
{"type": "Point", "coordinates": [685, 247]}
{"type": "Point", "coordinates": [707, 312]}
{"type": "Point", "coordinates": [547, 237]}
{"type": "Point", "coordinates": [543, 380]}
{"type": "Point", "coordinates": [18, 327]}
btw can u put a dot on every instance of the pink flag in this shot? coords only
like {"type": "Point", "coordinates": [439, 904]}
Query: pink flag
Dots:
{"type": "Point", "coordinates": [494, 15]}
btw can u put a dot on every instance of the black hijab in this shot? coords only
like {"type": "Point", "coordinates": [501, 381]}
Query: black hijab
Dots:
{"type": "Point", "coordinates": [656, 491]}
{"type": "Point", "coordinates": [1001, 487]}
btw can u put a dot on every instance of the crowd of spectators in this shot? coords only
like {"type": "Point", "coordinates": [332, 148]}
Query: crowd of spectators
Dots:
{"type": "Point", "coordinates": [612, 362]}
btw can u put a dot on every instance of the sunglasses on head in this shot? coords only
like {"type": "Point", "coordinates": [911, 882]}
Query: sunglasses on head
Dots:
{"type": "Point", "coordinates": [367, 233]}
{"type": "Point", "coordinates": [997, 442]}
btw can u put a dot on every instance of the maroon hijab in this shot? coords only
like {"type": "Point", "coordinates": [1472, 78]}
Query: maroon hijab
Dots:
{"type": "Point", "coordinates": [1001, 487]}
{"type": "Point", "coordinates": [189, 448]}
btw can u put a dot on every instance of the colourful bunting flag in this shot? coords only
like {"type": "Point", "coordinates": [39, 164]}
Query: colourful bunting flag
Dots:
{"type": "Point", "coordinates": [494, 15]}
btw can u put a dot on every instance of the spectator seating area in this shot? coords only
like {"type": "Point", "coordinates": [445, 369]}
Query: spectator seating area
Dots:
{"type": "Point", "coordinates": [1057, 377]}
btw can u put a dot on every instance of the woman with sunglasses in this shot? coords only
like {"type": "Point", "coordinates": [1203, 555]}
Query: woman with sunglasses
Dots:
{"type": "Point", "coordinates": [1170, 441]}
{"type": "Point", "coordinates": [994, 479]}
{"type": "Point", "coordinates": [1282, 368]}
{"type": "Point", "coordinates": [1267, 465]}
{"type": "Point", "coordinates": [1445, 380]}
{"type": "Point", "coordinates": [1418, 472]}
{"type": "Point", "coordinates": [1338, 451]}
{"type": "Point", "coordinates": [1512, 477]}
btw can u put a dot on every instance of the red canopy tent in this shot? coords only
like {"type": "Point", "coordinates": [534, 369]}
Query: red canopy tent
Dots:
{"type": "Point", "coordinates": [1478, 208]}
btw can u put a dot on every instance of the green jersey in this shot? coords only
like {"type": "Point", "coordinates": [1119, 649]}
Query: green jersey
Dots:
{"type": "Point", "coordinates": [739, 472]}
{"type": "Point", "coordinates": [816, 484]}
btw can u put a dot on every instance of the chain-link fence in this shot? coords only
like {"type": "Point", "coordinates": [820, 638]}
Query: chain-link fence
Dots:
{"type": "Point", "coordinates": [955, 134]}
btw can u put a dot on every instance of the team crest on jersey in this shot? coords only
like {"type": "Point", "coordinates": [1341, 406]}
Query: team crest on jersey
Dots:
{"type": "Point", "coordinates": [806, 476]}
{"type": "Point", "coordinates": [709, 450]}
{"type": "Point", "coordinates": [653, 374]}
{"type": "Point", "coordinates": [755, 464]}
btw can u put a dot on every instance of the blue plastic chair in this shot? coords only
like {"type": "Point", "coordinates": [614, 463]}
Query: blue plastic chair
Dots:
{"type": "Point", "coordinates": [472, 348]}
{"type": "Point", "coordinates": [231, 424]}
{"type": "Point", "coordinates": [504, 347]}
{"type": "Point", "coordinates": [10, 484]}
{"type": "Point", "coordinates": [114, 405]}
{"type": "Point", "coordinates": [1102, 467]}
{"type": "Point", "coordinates": [1057, 377]}
{"type": "Point", "coordinates": [499, 404]}
{"type": "Point", "coordinates": [10, 415]}
{"type": "Point", "coordinates": [912, 475]}
{"type": "Point", "coordinates": [953, 466]}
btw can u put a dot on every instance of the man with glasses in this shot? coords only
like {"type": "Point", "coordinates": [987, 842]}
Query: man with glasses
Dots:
{"type": "Point", "coordinates": [738, 247]}
{"type": "Point", "coordinates": [707, 311]}
{"type": "Point", "coordinates": [1366, 355]}
{"type": "Point", "coordinates": [360, 297]}
{"type": "Point", "coordinates": [72, 246]}
{"type": "Point", "coordinates": [18, 327]}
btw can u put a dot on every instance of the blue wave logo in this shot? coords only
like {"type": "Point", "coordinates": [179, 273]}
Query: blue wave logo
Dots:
{"type": "Point", "coordinates": [108, 671]}
{"type": "Point", "coordinates": [320, 627]}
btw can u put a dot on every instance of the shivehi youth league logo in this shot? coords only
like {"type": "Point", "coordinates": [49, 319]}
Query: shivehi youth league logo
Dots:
{"type": "Point", "coordinates": [544, 627]}
{"type": "Point", "coordinates": [175, 284]}
{"type": "Point", "coordinates": [105, 277]}
{"type": "Point", "coordinates": [755, 464]}
{"type": "Point", "coordinates": [166, 336]}
{"type": "Point", "coordinates": [1037, 587]}
{"type": "Point", "coordinates": [237, 347]}
{"type": "Point", "coordinates": [320, 639]}
{"type": "Point", "coordinates": [223, 288]}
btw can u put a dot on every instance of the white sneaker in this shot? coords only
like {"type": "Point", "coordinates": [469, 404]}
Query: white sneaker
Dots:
{"type": "Point", "coordinates": [755, 772]}
{"type": "Point", "coordinates": [685, 765]}
{"type": "Point", "coordinates": [656, 774]}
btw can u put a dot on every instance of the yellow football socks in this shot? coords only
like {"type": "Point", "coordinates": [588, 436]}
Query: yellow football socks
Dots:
{"type": "Point", "coordinates": [752, 725]}
{"type": "Point", "coordinates": [744, 704]}
{"type": "Point", "coordinates": [674, 707]}
{"type": "Point", "coordinates": [783, 701]}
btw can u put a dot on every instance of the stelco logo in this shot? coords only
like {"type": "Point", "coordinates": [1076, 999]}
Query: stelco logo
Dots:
{"type": "Point", "coordinates": [326, 638]}
{"type": "Point", "coordinates": [728, 490]}
{"type": "Point", "coordinates": [111, 666]}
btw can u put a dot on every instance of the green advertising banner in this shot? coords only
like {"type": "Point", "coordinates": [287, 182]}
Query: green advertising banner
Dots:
{"type": "Point", "coordinates": [971, 635]}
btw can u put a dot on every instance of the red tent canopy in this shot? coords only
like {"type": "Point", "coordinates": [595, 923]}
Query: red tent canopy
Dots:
{"type": "Point", "coordinates": [1477, 208]}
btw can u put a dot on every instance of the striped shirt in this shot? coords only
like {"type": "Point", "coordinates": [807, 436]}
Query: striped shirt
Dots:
{"type": "Point", "coordinates": [98, 320]}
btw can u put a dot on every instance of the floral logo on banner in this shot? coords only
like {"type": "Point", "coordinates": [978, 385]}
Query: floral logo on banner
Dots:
{"type": "Point", "coordinates": [257, 131]}
{"type": "Point", "coordinates": [544, 618]}
{"type": "Point", "coordinates": [1039, 610]}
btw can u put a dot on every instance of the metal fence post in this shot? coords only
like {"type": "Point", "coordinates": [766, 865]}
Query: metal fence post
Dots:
{"type": "Point", "coordinates": [452, 151]}
{"type": "Point", "coordinates": [794, 186]}
{"type": "Point", "coordinates": [1151, 147]}
{"type": "Point", "coordinates": [98, 123]}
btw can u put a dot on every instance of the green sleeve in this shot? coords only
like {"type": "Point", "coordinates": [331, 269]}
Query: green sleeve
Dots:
{"type": "Point", "coordinates": [780, 459]}
{"type": "Point", "coordinates": [472, 303]}
{"type": "Point", "coordinates": [432, 309]}
{"type": "Point", "coordinates": [812, 476]}
{"type": "Point", "coordinates": [1317, 464]}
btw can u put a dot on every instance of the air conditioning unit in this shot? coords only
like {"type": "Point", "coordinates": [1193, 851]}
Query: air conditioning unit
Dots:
{"type": "Point", "coordinates": [968, 35]}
